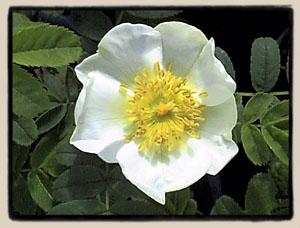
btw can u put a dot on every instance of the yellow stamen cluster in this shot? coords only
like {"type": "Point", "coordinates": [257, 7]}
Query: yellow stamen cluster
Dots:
{"type": "Point", "coordinates": [163, 109]}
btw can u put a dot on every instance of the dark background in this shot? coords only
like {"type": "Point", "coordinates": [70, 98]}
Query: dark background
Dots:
{"type": "Point", "coordinates": [234, 29]}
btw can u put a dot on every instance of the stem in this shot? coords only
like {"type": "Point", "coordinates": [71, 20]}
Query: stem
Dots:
{"type": "Point", "coordinates": [198, 212]}
{"type": "Point", "coordinates": [25, 170]}
{"type": "Point", "coordinates": [272, 93]}
{"type": "Point", "coordinates": [280, 93]}
{"type": "Point", "coordinates": [106, 192]}
{"type": "Point", "coordinates": [119, 19]}
{"type": "Point", "coordinates": [241, 123]}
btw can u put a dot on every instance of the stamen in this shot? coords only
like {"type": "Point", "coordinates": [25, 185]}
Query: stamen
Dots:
{"type": "Point", "coordinates": [123, 87]}
{"type": "Point", "coordinates": [170, 65]}
{"type": "Point", "coordinates": [203, 94]}
{"type": "Point", "coordinates": [157, 67]}
{"type": "Point", "coordinates": [138, 80]}
{"type": "Point", "coordinates": [145, 72]}
{"type": "Point", "coordinates": [163, 110]}
{"type": "Point", "coordinates": [193, 134]}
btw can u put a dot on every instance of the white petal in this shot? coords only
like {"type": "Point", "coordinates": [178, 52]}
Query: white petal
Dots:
{"type": "Point", "coordinates": [182, 44]}
{"type": "Point", "coordinates": [109, 153]}
{"type": "Point", "coordinates": [100, 115]}
{"type": "Point", "coordinates": [145, 174]}
{"type": "Point", "coordinates": [219, 119]}
{"type": "Point", "coordinates": [164, 171]}
{"type": "Point", "coordinates": [208, 154]}
{"type": "Point", "coordinates": [123, 52]}
{"type": "Point", "coordinates": [170, 171]}
{"type": "Point", "coordinates": [224, 150]}
{"type": "Point", "coordinates": [79, 104]}
{"type": "Point", "coordinates": [187, 164]}
{"type": "Point", "coordinates": [209, 75]}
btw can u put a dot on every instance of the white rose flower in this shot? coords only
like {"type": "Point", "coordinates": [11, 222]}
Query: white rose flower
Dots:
{"type": "Point", "coordinates": [159, 103]}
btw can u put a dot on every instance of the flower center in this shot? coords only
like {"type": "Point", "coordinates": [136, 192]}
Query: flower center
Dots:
{"type": "Point", "coordinates": [163, 110]}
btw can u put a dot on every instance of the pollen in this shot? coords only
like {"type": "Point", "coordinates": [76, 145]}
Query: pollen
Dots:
{"type": "Point", "coordinates": [163, 110]}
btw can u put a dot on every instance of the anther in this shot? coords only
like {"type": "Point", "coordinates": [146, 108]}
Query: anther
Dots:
{"type": "Point", "coordinates": [138, 80]}
{"type": "Point", "coordinates": [170, 65]}
{"type": "Point", "coordinates": [193, 134]}
{"type": "Point", "coordinates": [203, 94]}
{"type": "Point", "coordinates": [157, 67]}
{"type": "Point", "coordinates": [123, 87]}
{"type": "Point", "coordinates": [145, 72]}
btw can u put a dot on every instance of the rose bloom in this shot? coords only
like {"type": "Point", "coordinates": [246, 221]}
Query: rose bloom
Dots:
{"type": "Point", "coordinates": [158, 102]}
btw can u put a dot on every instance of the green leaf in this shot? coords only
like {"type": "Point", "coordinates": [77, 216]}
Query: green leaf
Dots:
{"type": "Point", "coordinates": [153, 14]}
{"type": "Point", "coordinates": [43, 150]}
{"type": "Point", "coordinates": [21, 199]}
{"type": "Point", "coordinates": [225, 59]}
{"type": "Point", "coordinates": [130, 207]}
{"type": "Point", "coordinates": [278, 141]}
{"type": "Point", "coordinates": [69, 155]}
{"type": "Point", "coordinates": [71, 84]}
{"type": "Point", "coordinates": [79, 182]}
{"type": "Point", "coordinates": [288, 69]}
{"type": "Point", "coordinates": [282, 208]}
{"type": "Point", "coordinates": [52, 105]}
{"type": "Point", "coordinates": [226, 206]}
{"type": "Point", "coordinates": [24, 131]}
{"type": "Point", "coordinates": [280, 175]}
{"type": "Point", "coordinates": [260, 195]}
{"type": "Point", "coordinates": [66, 125]}
{"type": "Point", "coordinates": [51, 118]}
{"type": "Point", "coordinates": [256, 107]}
{"type": "Point", "coordinates": [55, 87]}
{"type": "Point", "coordinates": [254, 144]}
{"type": "Point", "coordinates": [52, 167]}
{"type": "Point", "coordinates": [283, 125]}
{"type": "Point", "coordinates": [178, 201]}
{"type": "Point", "coordinates": [29, 97]}
{"type": "Point", "coordinates": [45, 45]}
{"type": "Point", "coordinates": [92, 24]}
{"type": "Point", "coordinates": [281, 211]}
{"type": "Point", "coordinates": [274, 102]}
{"type": "Point", "coordinates": [78, 207]}
{"type": "Point", "coordinates": [122, 189]}
{"type": "Point", "coordinates": [61, 73]}
{"type": "Point", "coordinates": [19, 22]}
{"type": "Point", "coordinates": [53, 13]}
{"type": "Point", "coordinates": [240, 110]}
{"type": "Point", "coordinates": [88, 45]}
{"type": "Point", "coordinates": [191, 207]}
{"type": "Point", "coordinates": [277, 113]}
{"type": "Point", "coordinates": [19, 156]}
{"type": "Point", "coordinates": [239, 105]}
{"type": "Point", "coordinates": [265, 64]}
{"type": "Point", "coordinates": [39, 187]}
